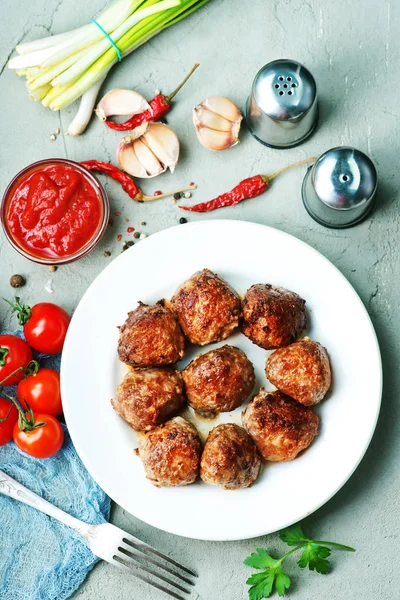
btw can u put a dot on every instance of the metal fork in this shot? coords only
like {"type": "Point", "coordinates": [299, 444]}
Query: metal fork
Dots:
{"type": "Point", "coordinates": [112, 544]}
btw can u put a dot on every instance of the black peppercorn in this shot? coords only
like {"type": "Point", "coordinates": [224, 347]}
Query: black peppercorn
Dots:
{"type": "Point", "coordinates": [17, 281]}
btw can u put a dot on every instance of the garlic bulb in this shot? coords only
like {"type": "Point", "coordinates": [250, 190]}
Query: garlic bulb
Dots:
{"type": "Point", "coordinates": [217, 121]}
{"type": "Point", "coordinates": [119, 103]}
{"type": "Point", "coordinates": [151, 153]}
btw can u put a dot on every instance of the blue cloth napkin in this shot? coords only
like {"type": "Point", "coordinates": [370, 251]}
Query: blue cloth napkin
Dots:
{"type": "Point", "coordinates": [41, 559]}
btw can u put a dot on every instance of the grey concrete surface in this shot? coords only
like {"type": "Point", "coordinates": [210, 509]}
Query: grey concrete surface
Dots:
{"type": "Point", "coordinates": [353, 51]}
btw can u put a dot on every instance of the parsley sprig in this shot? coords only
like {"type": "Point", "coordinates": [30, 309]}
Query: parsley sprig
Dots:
{"type": "Point", "coordinates": [314, 555]}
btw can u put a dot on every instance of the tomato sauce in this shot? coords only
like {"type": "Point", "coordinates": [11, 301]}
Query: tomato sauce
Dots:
{"type": "Point", "coordinates": [54, 211]}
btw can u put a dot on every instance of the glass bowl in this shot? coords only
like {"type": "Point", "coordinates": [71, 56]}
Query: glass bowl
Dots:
{"type": "Point", "coordinates": [88, 246]}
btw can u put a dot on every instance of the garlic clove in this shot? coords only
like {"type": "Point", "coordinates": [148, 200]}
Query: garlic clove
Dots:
{"type": "Point", "coordinates": [164, 144]}
{"type": "Point", "coordinates": [223, 107]}
{"type": "Point", "coordinates": [147, 159]}
{"type": "Point", "coordinates": [216, 140]}
{"type": "Point", "coordinates": [217, 121]}
{"type": "Point", "coordinates": [121, 103]}
{"type": "Point", "coordinates": [205, 118]}
{"type": "Point", "coordinates": [127, 159]}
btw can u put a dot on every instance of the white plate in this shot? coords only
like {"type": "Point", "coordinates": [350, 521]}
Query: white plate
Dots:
{"type": "Point", "coordinates": [243, 253]}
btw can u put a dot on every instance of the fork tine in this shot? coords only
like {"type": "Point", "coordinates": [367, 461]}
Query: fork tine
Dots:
{"type": "Point", "coordinates": [139, 545]}
{"type": "Point", "coordinates": [131, 560]}
{"type": "Point", "coordinates": [118, 562]}
{"type": "Point", "coordinates": [138, 555]}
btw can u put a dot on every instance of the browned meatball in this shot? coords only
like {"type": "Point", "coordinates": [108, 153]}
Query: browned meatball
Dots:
{"type": "Point", "coordinates": [301, 371]}
{"type": "Point", "coordinates": [171, 453]}
{"type": "Point", "coordinates": [230, 458]}
{"type": "Point", "coordinates": [272, 316]}
{"type": "Point", "coordinates": [208, 309]}
{"type": "Point", "coordinates": [279, 426]}
{"type": "Point", "coordinates": [148, 397]}
{"type": "Point", "coordinates": [151, 337]}
{"type": "Point", "coordinates": [218, 381]}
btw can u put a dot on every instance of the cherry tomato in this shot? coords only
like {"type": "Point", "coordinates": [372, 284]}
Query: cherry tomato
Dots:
{"type": "Point", "coordinates": [14, 353]}
{"type": "Point", "coordinates": [42, 442]}
{"type": "Point", "coordinates": [42, 392]}
{"type": "Point", "coordinates": [46, 328]}
{"type": "Point", "coordinates": [9, 413]}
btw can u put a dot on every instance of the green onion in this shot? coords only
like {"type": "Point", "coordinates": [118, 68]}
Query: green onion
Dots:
{"type": "Point", "coordinates": [60, 69]}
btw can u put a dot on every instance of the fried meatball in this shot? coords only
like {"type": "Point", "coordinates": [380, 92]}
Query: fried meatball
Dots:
{"type": "Point", "coordinates": [218, 381]}
{"type": "Point", "coordinates": [208, 309]}
{"type": "Point", "coordinates": [171, 453]}
{"type": "Point", "coordinates": [151, 337]}
{"type": "Point", "coordinates": [148, 397]}
{"type": "Point", "coordinates": [230, 458]}
{"type": "Point", "coordinates": [301, 371]}
{"type": "Point", "coordinates": [279, 426]}
{"type": "Point", "coordinates": [272, 316]}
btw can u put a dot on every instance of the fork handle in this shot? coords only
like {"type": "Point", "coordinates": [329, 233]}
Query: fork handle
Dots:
{"type": "Point", "coordinates": [13, 489]}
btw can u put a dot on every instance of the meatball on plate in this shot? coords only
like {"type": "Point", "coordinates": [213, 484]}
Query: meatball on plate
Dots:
{"type": "Point", "coordinates": [171, 453]}
{"type": "Point", "coordinates": [301, 370]}
{"type": "Point", "coordinates": [151, 337]}
{"type": "Point", "coordinates": [207, 307]}
{"type": "Point", "coordinates": [272, 316]}
{"type": "Point", "coordinates": [279, 426]}
{"type": "Point", "coordinates": [230, 257]}
{"type": "Point", "coordinates": [148, 397]}
{"type": "Point", "coordinates": [230, 458]}
{"type": "Point", "coordinates": [219, 380]}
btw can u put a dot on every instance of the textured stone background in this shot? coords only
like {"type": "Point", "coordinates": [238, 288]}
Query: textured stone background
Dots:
{"type": "Point", "coordinates": [352, 49]}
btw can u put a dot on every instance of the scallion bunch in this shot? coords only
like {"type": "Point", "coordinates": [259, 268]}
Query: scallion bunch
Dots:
{"type": "Point", "coordinates": [59, 69]}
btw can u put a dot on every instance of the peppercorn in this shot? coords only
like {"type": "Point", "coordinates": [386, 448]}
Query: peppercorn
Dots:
{"type": "Point", "coordinates": [129, 243]}
{"type": "Point", "coordinates": [17, 281]}
{"type": "Point", "coordinates": [107, 253]}
{"type": "Point", "coordinates": [143, 223]}
{"type": "Point", "coordinates": [52, 268]}
{"type": "Point", "coordinates": [177, 196]}
{"type": "Point", "coordinates": [136, 235]}
{"type": "Point", "coordinates": [182, 220]}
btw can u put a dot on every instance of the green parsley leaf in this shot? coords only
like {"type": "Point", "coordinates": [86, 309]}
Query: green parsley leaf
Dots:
{"type": "Point", "coordinates": [282, 582]}
{"type": "Point", "coordinates": [315, 557]}
{"type": "Point", "coordinates": [293, 535]}
{"type": "Point", "coordinates": [262, 584]}
{"type": "Point", "coordinates": [260, 559]}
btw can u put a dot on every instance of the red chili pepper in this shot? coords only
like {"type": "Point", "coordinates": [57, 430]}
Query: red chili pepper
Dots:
{"type": "Point", "coordinates": [159, 106]}
{"type": "Point", "coordinates": [128, 185]}
{"type": "Point", "coordinates": [248, 188]}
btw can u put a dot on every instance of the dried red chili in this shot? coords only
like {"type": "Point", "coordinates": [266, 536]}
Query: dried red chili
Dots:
{"type": "Point", "coordinates": [128, 185]}
{"type": "Point", "coordinates": [159, 106]}
{"type": "Point", "coordinates": [248, 188]}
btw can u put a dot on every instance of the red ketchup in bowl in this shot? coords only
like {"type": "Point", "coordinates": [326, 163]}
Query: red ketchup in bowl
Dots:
{"type": "Point", "coordinates": [53, 210]}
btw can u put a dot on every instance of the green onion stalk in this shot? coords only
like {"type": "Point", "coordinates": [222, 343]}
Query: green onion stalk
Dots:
{"type": "Point", "coordinates": [60, 69]}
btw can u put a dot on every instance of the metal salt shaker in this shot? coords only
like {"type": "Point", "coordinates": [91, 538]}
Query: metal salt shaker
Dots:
{"type": "Point", "coordinates": [282, 110]}
{"type": "Point", "coordinates": [338, 190]}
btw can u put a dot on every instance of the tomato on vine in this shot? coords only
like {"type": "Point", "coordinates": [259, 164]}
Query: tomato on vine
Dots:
{"type": "Point", "coordinates": [45, 325]}
{"type": "Point", "coordinates": [14, 354]}
{"type": "Point", "coordinates": [39, 435]}
{"type": "Point", "coordinates": [41, 391]}
{"type": "Point", "coordinates": [8, 418]}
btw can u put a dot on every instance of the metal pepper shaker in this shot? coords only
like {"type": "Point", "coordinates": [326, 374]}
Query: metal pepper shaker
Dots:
{"type": "Point", "coordinates": [282, 109]}
{"type": "Point", "coordinates": [338, 190]}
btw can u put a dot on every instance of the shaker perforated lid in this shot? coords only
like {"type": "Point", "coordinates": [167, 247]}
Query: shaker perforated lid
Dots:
{"type": "Point", "coordinates": [282, 109]}
{"type": "Point", "coordinates": [338, 190]}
